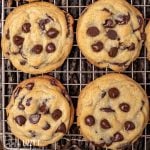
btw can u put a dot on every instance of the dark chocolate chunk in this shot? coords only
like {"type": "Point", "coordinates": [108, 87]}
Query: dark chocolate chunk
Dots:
{"type": "Point", "coordinates": [123, 19]}
{"type": "Point", "coordinates": [131, 47]}
{"type": "Point", "coordinates": [52, 33]}
{"type": "Point", "coordinates": [18, 40]}
{"type": "Point", "coordinates": [109, 23]}
{"type": "Point", "coordinates": [129, 125]}
{"type": "Point", "coordinates": [105, 124]}
{"type": "Point", "coordinates": [112, 34]}
{"type": "Point", "coordinates": [124, 107]}
{"type": "Point", "coordinates": [44, 109]}
{"type": "Point", "coordinates": [43, 22]}
{"type": "Point", "coordinates": [17, 91]}
{"type": "Point", "coordinates": [62, 128]}
{"type": "Point", "coordinates": [98, 46]}
{"type": "Point", "coordinates": [46, 127]}
{"type": "Point", "coordinates": [23, 62]}
{"type": "Point", "coordinates": [113, 52]}
{"type": "Point", "coordinates": [7, 35]}
{"type": "Point", "coordinates": [107, 109]}
{"type": "Point", "coordinates": [34, 118]}
{"type": "Point", "coordinates": [20, 120]}
{"type": "Point", "coordinates": [33, 133]}
{"type": "Point", "coordinates": [57, 113]}
{"type": "Point", "coordinates": [50, 47]}
{"type": "Point", "coordinates": [21, 106]}
{"type": "Point", "coordinates": [113, 92]}
{"type": "Point", "coordinates": [29, 86]}
{"type": "Point", "coordinates": [90, 120]}
{"type": "Point", "coordinates": [28, 102]}
{"type": "Point", "coordinates": [118, 137]}
{"type": "Point", "coordinates": [103, 94]}
{"type": "Point", "coordinates": [37, 49]}
{"type": "Point", "coordinates": [26, 27]}
{"type": "Point", "coordinates": [93, 31]}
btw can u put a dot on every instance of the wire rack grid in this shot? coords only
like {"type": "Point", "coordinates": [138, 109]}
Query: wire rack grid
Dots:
{"type": "Point", "coordinates": [75, 73]}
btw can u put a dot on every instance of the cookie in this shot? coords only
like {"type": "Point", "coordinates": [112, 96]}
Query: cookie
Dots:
{"type": "Point", "coordinates": [112, 111]}
{"type": "Point", "coordinates": [37, 37]}
{"type": "Point", "coordinates": [147, 42]}
{"type": "Point", "coordinates": [110, 35]}
{"type": "Point", "coordinates": [40, 111]}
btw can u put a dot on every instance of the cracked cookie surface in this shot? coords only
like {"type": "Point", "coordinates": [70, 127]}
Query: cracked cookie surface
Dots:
{"type": "Point", "coordinates": [110, 35]}
{"type": "Point", "coordinates": [112, 111]}
{"type": "Point", "coordinates": [34, 111]}
{"type": "Point", "coordinates": [37, 37]}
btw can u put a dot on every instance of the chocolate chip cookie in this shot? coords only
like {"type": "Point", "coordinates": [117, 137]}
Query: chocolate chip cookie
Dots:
{"type": "Point", "coordinates": [147, 42]}
{"type": "Point", "coordinates": [112, 111]}
{"type": "Point", "coordinates": [37, 37]}
{"type": "Point", "coordinates": [40, 111]}
{"type": "Point", "coordinates": [110, 34]}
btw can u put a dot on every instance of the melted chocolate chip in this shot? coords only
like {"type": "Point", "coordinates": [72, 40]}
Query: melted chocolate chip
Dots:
{"type": "Point", "coordinates": [112, 34]}
{"type": "Point", "coordinates": [26, 27]}
{"type": "Point", "coordinates": [50, 47]}
{"type": "Point", "coordinates": [23, 62]}
{"type": "Point", "coordinates": [52, 33]}
{"type": "Point", "coordinates": [90, 120]}
{"type": "Point", "coordinates": [46, 127]}
{"type": "Point", "coordinates": [124, 107]}
{"type": "Point", "coordinates": [129, 125]}
{"type": "Point", "coordinates": [7, 35]}
{"type": "Point", "coordinates": [113, 52]}
{"type": "Point", "coordinates": [56, 114]}
{"type": "Point", "coordinates": [33, 133]}
{"type": "Point", "coordinates": [103, 94]}
{"type": "Point", "coordinates": [105, 124]}
{"type": "Point", "coordinates": [62, 128]}
{"type": "Point", "coordinates": [118, 137]}
{"type": "Point", "coordinates": [34, 118]}
{"type": "Point", "coordinates": [20, 120]}
{"type": "Point", "coordinates": [18, 40]}
{"type": "Point", "coordinates": [109, 23]}
{"type": "Point", "coordinates": [43, 22]}
{"type": "Point", "coordinates": [123, 19]}
{"type": "Point", "coordinates": [28, 102]}
{"type": "Point", "coordinates": [107, 109]}
{"type": "Point", "coordinates": [43, 108]}
{"type": "Point", "coordinates": [113, 92]}
{"type": "Point", "coordinates": [93, 31]}
{"type": "Point", "coordinates": [21, 106]}
{"type": "Point", "coordinates": [98, 46]}
{"type": "Point", "coordinates": [29, 86]}
{"type": "Point", "coordinates": [131, 47]}
{"type": "Point", "coordinates": [17, 91]}
{"type": "Point", "coordinates": [37, 49]}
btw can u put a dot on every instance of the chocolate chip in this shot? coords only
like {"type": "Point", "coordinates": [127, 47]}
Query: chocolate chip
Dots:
{"type": "Point", "coordinates": [113, 92]}
{"type": "Point", "coordinates": [61, 128]}
{"type": "Point", "coordinates": [52, 33]}
{"type": "Point", "coordinates": [21, 106]}
{"type": "Point", "coordinates": [129, 125]}
{"type": "Point", "coordinates": [107, 109]}
{"type": "Point", "coordinates": [18, 40]}
{"type": "Point", "coordinates": [98, 46]}
{"type": "Point", "coordinates": [17, 91]}
{"type": "Point", "coordinates": [103, 94]}
{"type": "Point", "coordinates": [118, 137]}
{"type": "Point", "coordinates": [34, 118]}
{"type": "Point", "coordinates": [20, 120]}
{"type": "Point", "coordinates": [105, 124]}
{"type": "Point", "coordinates": [93, 31]}
{"type": "Point", "coordinates": [29, 86]}
{"type": "Point", "coordinates": [28, 102]}
{"type": "Point", "coordinates": [44, 109]}
{"type": "Point", "coordinates": [43, 22]}
{"type": "Point", "coordinates": [90, 120]}
{"type": "Point", "coordinates": [140, 21]}
{"type": "Point", "coordinates": [113, 52]}
{"type": "Point", "coordinates": [33, 133]}
{"type": "Point", "coordinates": [7, 35]}
{"type": "Point", "coordinates": [131, 47]}
{"type": "Point", "coordinates": [124, 107]}
{"type": "Point", "coordinates": [37, 49]}
{"type": "Point", "coordinates": [123, 19]}
{"type": "Point", "coordinates": [56, 114]}
{"type": "Point", "coordinates": [46, 127]}
{"type": "Point", "coordinates": [109, 23]}
{"type": "Point", "coordinates": [112, 34]}
{"type": "Point", "coordinates": [23, 62]}
{"type": "Point", "coordinates": [26, 27]}
{"type": "Point", "coordinates": [50, 47]}
{"type": "Point", "coordinates": [143, 36]}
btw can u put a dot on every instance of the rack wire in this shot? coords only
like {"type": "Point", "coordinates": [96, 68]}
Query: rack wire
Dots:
{"type": "Point", "coordinates": [75, 73]}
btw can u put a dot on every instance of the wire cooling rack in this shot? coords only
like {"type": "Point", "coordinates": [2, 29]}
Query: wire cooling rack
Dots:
{"type": "Point", "coordinates": [75, 73]}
